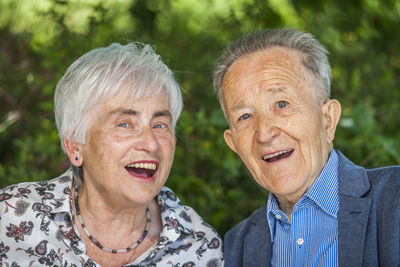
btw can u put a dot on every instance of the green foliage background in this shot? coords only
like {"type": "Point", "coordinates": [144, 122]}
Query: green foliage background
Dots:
{"type": "Point", "coordinates": [40, 39]}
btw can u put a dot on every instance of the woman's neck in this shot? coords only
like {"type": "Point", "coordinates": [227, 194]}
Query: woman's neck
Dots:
{"type": "Point", "coordinates": [117, 239]}
{"type": "Point", "coordinates": [123, 224]}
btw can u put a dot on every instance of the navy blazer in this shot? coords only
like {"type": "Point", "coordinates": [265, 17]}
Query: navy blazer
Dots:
{"type": "Point", "coordinates": [368, 222]}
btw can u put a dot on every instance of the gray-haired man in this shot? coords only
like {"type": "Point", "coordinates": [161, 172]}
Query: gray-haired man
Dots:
{"type": "Point", "coordinates": [323, 210]}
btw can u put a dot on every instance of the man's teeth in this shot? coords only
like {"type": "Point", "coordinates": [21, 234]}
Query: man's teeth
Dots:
{"type": "Point", "coordinates": [150, 166]}
{"type": "Point", "coordinates": [276, 154]}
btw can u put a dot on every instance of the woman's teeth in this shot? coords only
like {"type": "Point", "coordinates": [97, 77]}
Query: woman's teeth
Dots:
{"type": "Point", "coordinates": [149, 166]}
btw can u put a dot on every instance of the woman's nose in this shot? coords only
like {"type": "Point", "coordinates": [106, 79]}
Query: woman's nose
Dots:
{"type": "Point", "coordinates": [147, 141]}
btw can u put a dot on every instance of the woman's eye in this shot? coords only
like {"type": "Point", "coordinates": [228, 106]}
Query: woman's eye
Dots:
{"type": "Point", "coordinates": [159, 126]}
{"type": "Point", "coordinates": [281, 104]}
{"type": "Point", "coordinates": [244, 116]}
{"type": "Point", "coordinates": [123, 125]}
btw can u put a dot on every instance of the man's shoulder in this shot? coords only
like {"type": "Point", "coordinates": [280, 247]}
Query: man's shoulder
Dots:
{"type": "Point", "coordinates": [389, 173]}
{"type": "Point", "coordinates": [243, 228]}
{"type": "Point", "coordinates": [385, 182]}
{"type": "Point", "coordinates": [247, 243]}
{"type": "Point", "coordinates": [381, 185]}
{"type": "Point", "coordinates": [374, 194]}
{"type": "Point", "coordinates": [356, 180]}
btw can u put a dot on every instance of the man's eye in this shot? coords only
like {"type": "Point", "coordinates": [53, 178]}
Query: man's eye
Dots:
{"type": "Point", "coordinates": [123, 125]}
{"type": "Point", "coordinates": [281, 104]}
{"type": "Point", "coordinates": [244, 116]}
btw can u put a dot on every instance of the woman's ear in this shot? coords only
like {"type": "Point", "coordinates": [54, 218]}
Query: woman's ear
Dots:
{"type": "Point", "coordinates": [74, 152]}
{"type": "Point", "coordinates": [331, 111]}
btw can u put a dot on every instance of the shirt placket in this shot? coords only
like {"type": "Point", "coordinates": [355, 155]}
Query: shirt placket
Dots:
{"type": "Point", "coordinates": [300, 242]}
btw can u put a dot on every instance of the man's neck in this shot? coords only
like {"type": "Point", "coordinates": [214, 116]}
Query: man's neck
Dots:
{"type": "Point", "coordinates": [287, 208]}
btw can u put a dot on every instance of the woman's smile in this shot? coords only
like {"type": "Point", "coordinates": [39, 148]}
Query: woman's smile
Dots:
{"type": "Point", "coordinates": [145, 170]}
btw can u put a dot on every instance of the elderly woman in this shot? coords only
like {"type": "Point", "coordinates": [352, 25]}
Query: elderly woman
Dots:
{"type": "Point", "coordinates": [116, 109]}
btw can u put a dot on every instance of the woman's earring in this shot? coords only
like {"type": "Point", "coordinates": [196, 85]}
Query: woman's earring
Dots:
{"type": "Point", "coordinates": [76, 158]}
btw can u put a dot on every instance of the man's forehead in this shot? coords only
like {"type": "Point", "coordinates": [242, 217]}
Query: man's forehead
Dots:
{"type": "Point", "coordinates": [275, 69]}
{"type": "Point", "coordinates": [274, 52]}
{"type": "Point", "coordinates": [262, 59]}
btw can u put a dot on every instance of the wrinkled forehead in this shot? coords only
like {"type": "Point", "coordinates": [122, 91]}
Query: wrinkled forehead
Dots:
{"type": "Point", "coordinates": [274, 67]}
{"type": "Point", "coordinates": [274, 58]}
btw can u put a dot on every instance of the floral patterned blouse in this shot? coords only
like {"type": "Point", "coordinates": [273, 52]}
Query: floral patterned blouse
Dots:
{"type": "Point", "coordinates": [36, 229]}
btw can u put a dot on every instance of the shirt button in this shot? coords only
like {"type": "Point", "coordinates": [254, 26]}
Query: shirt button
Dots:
{"type": "Point", "coordinates": [278, 217]}
{"type": "Point", "coordinates": [300, 241]}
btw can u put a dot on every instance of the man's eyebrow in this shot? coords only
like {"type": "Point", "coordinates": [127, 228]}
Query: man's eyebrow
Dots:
{"type": "Point", "coordinates": [275, 89]}
{"type": "Point", "coordinates": [238, 106]}
{"type": "Point", "coordinates": [272, 90]}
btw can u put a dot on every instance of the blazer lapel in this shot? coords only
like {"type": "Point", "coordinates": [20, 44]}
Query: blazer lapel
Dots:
{"type": "Point", "coordinates": [352, 228]}
{"type": "Point", "coordinates": [353, 212]}
{"type": "Point", "coordinates": [257, 245]}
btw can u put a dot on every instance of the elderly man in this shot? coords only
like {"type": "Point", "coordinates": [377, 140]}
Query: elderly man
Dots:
{"type": "Point", "coordinates": [322, 210]}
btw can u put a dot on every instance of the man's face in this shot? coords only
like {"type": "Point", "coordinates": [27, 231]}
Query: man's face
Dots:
{"type": "Point", "coordinates": [279, 125]}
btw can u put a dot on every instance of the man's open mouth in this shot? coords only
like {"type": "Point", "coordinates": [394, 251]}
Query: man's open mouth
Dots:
{"type": "Point", "coordinates": [278, 155]}
{"type": "Point", "coordinates": [142, 169]}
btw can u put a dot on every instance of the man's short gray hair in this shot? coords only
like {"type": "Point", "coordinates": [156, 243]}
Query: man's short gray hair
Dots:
{"type": "Point", "coordinates": [100, 75]}
{"type": "Point", "coordinates": [315, 55]}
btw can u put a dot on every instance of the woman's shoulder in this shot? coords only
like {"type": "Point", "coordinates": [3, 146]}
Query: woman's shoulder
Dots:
{"type": "Point", "coordinates": [168, 200]}
{"type": "Point", "coordinates": [22, 195]}
{"type": "Point", "coordinates": [184, 217]}
{"type": "Point", "coordinates": [186, 237]}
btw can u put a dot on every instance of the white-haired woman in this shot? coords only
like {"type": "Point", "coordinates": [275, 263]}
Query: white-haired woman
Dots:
{"type": "Point", "coordinates": [116, 108]}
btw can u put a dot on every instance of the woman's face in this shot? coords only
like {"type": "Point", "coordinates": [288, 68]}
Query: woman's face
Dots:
{"type": "Point", "coordinates": [129, 149]}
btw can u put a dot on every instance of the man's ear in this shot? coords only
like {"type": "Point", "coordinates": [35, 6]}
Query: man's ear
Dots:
{"type": "Point", "coordinates": [331, 111]}
{"type": "Point", "coordinates": [229, 140]}
{"type": "Point", "coordinates": [74, 152]}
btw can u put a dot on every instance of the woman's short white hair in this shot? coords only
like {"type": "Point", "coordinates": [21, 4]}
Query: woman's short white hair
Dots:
{"type": "Point", "coordinates": [101, 74]}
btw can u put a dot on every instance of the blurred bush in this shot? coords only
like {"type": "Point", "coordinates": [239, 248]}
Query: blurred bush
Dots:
{"type": "Point", "coordinates": [40, 39]}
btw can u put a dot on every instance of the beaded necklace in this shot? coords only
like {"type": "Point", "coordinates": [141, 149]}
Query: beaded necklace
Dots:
{"type": "Point", "coordinates": [97, 243]}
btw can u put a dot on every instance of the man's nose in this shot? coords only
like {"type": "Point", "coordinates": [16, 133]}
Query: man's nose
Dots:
{"type": "Point", "coordinates": [266, 130]}
{"type": "Point", "coordinates": [147, 141]}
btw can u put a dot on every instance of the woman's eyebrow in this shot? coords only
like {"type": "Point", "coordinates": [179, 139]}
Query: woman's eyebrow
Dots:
{"type": "Point", "coordinates": [162, 113]}
{"type": "Point", "coordinates": [123, 111]}
{"type": "Point", "coordinates": [129, 112]}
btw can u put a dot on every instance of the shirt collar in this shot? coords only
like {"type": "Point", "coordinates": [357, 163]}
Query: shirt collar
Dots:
{"type": "Point", "coordinates": [62, 190]}
{"type": "Point", "coordinates": [272, 212]}
{"type": "Point", "coordinates": [176, 223]}
{"type": "Point", "coordinates": [175, 217]}
{"type": "Point", "coordinates": [176, 220]}
{"type": "Point", "coordinates": [324, 192]}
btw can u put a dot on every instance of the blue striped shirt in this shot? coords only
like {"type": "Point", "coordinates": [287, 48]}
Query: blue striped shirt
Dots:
{"type": "Point", "coordinates": [310, 239]}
